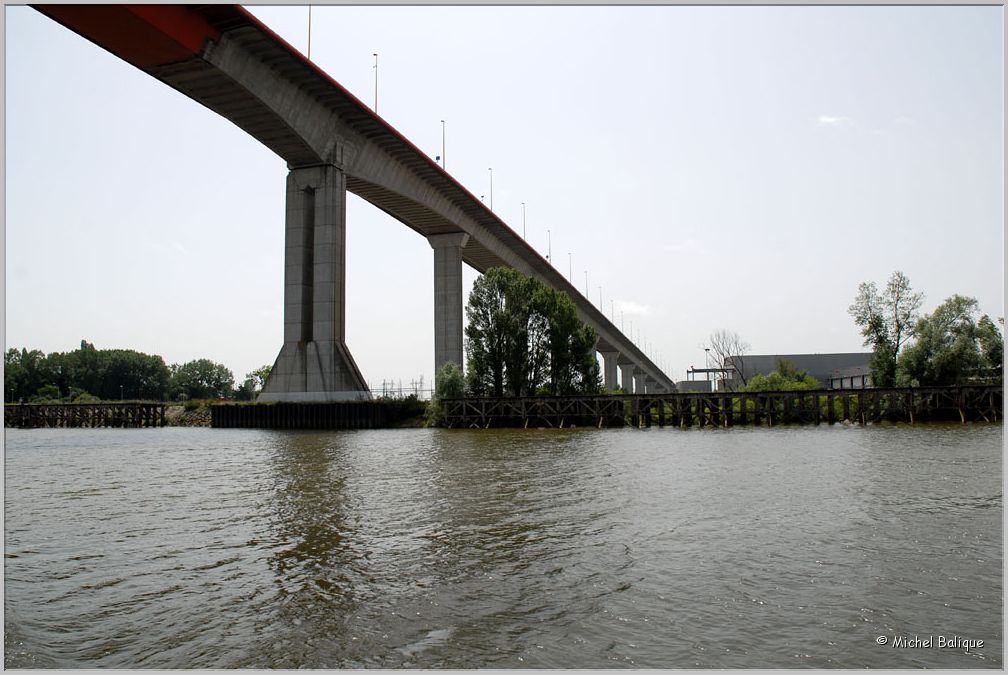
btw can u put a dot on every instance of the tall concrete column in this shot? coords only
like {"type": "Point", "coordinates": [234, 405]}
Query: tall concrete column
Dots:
{"type": "Point", "coordinates": [609, 360]}
{"type": "Point", "coordinates": [447, 297]}
{"type": "Point", "coordinates": [638, 380]}
{"type": "Point", "coordinates": [314, 363]}
{"type": "Point", "coordinates": [626, 375]}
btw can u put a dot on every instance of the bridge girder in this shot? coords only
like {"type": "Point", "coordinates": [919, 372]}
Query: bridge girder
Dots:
{"type": "Point", "coordinates": [225, 59]}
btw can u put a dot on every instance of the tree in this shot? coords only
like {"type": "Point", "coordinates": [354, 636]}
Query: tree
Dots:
{"type": "Point", "coordinates": [260, 375]}
{"type": "Point", "coordinates": [887, 320]}
{"type": "Point", "coordinates": [25, 372]}
{"type": "Point", "coordinates": [15, 376]}
{"type": "Point", "coordinates": [449, 383]}
{"type": "Point", "coordinates": [785, 378]}
{"type": "Point", "coordinates": [202, 378]}
{"type": "Point", "coordinates": [729, 349]}
{"type": "Point", "coordinates": [253, 384]}
{"type": "Point", "coordinates": [488, 329]}
{"type": "Point", "coordinates": [991, 343]}
{"type": "Point", "coordinates": [524, 338]}
{"type": "Point", "coordinates": [951, 347]}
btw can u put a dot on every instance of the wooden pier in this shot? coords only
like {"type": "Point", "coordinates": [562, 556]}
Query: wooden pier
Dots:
{"type": "Point", "coordinates": [981, 403]}
{"type": "Point", "coordinates": [80, 415]}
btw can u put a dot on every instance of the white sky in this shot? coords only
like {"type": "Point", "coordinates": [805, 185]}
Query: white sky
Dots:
{"type": "Point", "coordinates": [710, 167]}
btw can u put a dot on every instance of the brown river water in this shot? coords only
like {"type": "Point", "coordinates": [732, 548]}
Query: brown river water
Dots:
{"type": "Point", "coordinates": [660, 548]}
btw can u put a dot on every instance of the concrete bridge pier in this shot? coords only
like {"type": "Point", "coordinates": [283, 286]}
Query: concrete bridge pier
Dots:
{"type": "Point", "coordinates": [314, 363]}
{"type": "Point", "coordinates": [609, 363]}
{"type": "Point", "coordinates": [448, 320]}
{"type": "Point", "coordinates": [639, 383]}
{"type": "Point", "coordinates": [626, 377]}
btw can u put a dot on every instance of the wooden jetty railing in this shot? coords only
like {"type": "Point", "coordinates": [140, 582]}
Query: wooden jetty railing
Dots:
{"type": "Point", "coordinates": [43, 415]}
{"type": "Point", "coordinates": [724, 409]}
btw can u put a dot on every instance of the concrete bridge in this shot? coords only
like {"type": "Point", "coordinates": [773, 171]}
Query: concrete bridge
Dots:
{"type": "Point", "coordinates": [224, 58]}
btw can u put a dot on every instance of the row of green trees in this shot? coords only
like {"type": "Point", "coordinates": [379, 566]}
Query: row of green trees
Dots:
{"type": "Point", "coordinates": [88, 374]}
{"type": "Point", "coordinates": [949, 346]}
{"type": "Point", "coordinates": [524, 338]}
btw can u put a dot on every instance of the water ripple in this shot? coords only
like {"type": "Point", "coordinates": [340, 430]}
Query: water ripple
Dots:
{"type": "Point", "coordinates": [789, 547]}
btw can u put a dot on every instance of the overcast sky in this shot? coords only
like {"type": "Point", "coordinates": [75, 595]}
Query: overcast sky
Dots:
{"type": "Point", "coordinates": [709, 167]}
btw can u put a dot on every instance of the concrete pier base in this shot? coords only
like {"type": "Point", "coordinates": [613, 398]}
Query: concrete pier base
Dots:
{"type": "Point", "coordinates": [314, 371]}
{"type": "Point", "coordinates": [314, 363]}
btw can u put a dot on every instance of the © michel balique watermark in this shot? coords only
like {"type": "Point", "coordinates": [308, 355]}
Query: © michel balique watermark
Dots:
{"type": "Point", "coordinates": [930, 642]}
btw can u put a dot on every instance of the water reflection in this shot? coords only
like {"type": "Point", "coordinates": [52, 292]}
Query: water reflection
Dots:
{"type": "Point", "coordinates": [307, 530]}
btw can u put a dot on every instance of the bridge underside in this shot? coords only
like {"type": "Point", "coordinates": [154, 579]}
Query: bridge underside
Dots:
{"type": "Point", "coordinates": [225, 59]}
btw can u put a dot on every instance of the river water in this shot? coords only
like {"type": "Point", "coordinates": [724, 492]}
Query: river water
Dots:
{"type": "Point", "coordinates": [799, 546]}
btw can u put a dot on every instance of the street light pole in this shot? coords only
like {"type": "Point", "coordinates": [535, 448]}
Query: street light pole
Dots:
{"type": "Point", "coordinates": [375, 54]}
{"type": "Point", "coordinates": [523, 220]}
{"type": "Point", "coordinates": [570, 273]}
{"type": "Point", "coordinates": [586, 285]}
{"type": "Point", "coordinates": [309, 32]}
{"type": "Point", "coordinates": [549, 246]}
{"type": "Point", "coordinates": [600, 298]}
{"type": "Point", "coordinates": [443, 146]}
{"type": "Point", "coordinates": [491, 188]}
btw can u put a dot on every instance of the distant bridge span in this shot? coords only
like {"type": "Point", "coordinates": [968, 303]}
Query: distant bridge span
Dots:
{"type": "Point", "coordinates": [224, 58]}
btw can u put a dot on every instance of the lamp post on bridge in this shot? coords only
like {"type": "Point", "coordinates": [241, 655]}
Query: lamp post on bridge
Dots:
{"type": "Point", "coordinates": [600, 299]}
{"type": "Point", "coordinates": [443, 146]}
{"type": "Point", "coordinates": [523, 221]}
{"type": "Point", "coordinates": [375, 54]}
{"type": "Point", "coordinates": [549, 246]}
{"type": "Point", "coordinates": [570, 274]}
{"type": "Point", "coordinates": [491, 188]}
{"type": "Point", "coordinates": [586, 285]}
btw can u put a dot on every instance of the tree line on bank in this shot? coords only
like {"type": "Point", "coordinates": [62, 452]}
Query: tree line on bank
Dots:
{"type": "Point", "coordinates": [88, 374]}
{"type": "Point", "coordinates": [949, 346]}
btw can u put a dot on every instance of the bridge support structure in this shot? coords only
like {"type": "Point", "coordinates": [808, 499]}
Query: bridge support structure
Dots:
{"type": "Point", "coordinates": [626, 377]}
{"type": "Point", "coordinates": [639, 379]}
{"type": "Point", "coordinates": [448, 319]}
{"type": "Point", "coordinates": [314, 363]}
{"type": "Point", "coordinates": [609, 363]}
